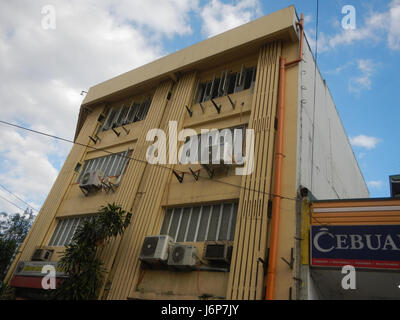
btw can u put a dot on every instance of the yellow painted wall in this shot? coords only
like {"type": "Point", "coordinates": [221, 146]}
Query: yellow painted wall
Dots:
{"type": "Point", "coordinates": [147, 190]}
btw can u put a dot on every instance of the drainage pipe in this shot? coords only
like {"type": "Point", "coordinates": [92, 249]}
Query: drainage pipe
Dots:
{"type": "Point", "coordinates": [276, 201]}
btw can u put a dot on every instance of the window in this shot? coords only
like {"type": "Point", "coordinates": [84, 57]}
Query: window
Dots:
{"type": "Point", "coordinates": [217, 140]}
{"type": "Point", "coordinates": [201, 223]}
{"type": "Point", "coordinates": [112, 165]}
{"type": "Point", "coordinates": [226, 84]}
{"type": "Point", "coordinates": [65, 230]}
{"type": "Point", "coordinates": [126, 114]}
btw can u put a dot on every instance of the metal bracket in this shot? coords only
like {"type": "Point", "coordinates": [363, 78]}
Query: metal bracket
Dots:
{"type": "Point", "coordinates": [216, 107]}
{"type": "Point", "coordinates": [264, 263]}
{"type": "Point", "coordinates": [210, 172]}
{"type": "Point", "coordinates": [179, 177]}
{"type": "Point", "coordinates": [95, 140]}
{"type": "Point", "coordinates": [202, 107]}
{"type": "Point", "coordinates": [291, 263]}
{"type": "Point", "coordinates": [126, 130]}
{"type": "Point", "coordinates": [195, 174]}
{"type": "Point", "coordinates": [298, 279]}
{"type": "Point", "coordinates": [108, 186]}
{"type": "Point", "coordinates": [232, 103]}
{"type": "Point", "coordinates": [115, 131]}
{"type": "Point", "coordinates": [189, 111]}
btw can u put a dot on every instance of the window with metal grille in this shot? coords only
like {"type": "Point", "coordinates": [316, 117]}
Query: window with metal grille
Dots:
{"type": "Point", "coordinates": [65, 230]}
{"type": "Point", "coordinates": [126, 114]}
{"type": "Point", "coordinates": [217, 141]}
{"type": "Point", "coordinates": [227, 83]}
{"type": "Point", "coordinates": [111, 165]}
{"type": "Point", "coordinates": [201, 223]}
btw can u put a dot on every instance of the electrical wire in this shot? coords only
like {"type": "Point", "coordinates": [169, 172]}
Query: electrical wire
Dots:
{"type": "Point", "coordinates": [134, 159]}
{"type": "Point", "coordinates": [13, 194]}
{"type": "Point", "coordinates": [12, 203]}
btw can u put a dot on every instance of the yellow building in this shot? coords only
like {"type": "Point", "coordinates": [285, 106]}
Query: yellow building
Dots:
{"type": "Point", "coordinates": [259, 76]}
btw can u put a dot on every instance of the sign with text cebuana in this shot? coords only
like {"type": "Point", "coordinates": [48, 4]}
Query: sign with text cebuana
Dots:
{"type": "Point", "coordinates": [367, 246]}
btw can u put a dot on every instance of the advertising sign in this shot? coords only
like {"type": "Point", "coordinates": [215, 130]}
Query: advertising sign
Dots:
{"type": "Point", "coordinates": [371, 246]}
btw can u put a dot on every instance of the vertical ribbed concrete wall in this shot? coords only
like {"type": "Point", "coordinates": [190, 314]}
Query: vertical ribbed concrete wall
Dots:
{"type": "Point", "coordinates": [147, 212]}
{"type": "Point", "coordinates": [246, 278]}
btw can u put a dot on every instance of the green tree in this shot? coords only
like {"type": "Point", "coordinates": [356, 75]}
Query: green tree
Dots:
{"type": "Point", "coordinates": [85, 271]}
{"type": "Point", "coordinates": [14, 230]}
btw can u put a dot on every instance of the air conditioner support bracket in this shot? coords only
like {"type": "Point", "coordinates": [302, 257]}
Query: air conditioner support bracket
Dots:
{"type": "Point", "coordinates": [195, 174]}
{"type": "Point", "coordinates": [109, 186]}
{"type": "Point", "coordinates": [202, 107]}
{"type": "Point", "coordinates": [232, 103]}
{"type": "Point", "coordinates": [189, 111]}
{"type": "Point", "coordinates": [115, 131]}
{"type": "Point", "coordinates": [209, 171]}
{"type": "Point", "coordinates": [126, 130]}
{"type": "Point", "coordinates": [93, 139]}
{"type": "Point", "coordinates": [84, 191]}
{"type": "Point", "coordinates": [218, 108]}
{"type": "Point", "coordinates": [179, 177]}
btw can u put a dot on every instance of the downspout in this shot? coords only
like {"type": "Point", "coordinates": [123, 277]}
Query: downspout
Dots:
{"type": "Point", "coordinates": [276, 201]}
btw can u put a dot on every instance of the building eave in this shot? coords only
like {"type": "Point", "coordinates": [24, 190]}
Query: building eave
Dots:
{"type": "Point", "coordinates": [280, 25]}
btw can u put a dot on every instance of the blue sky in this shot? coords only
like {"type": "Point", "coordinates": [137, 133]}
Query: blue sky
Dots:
{"type": "Point", "coordinates": [42, 72]}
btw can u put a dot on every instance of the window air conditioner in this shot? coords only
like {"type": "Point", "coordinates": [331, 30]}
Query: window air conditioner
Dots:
{"type": "Point", "coordinates": [42, 255]}
{"type": "Point", "coordinates": [155, 249]}
{"type": "Point", "coordinates": [220, 155]}
{"type": "Point", "coordinates": [218, 252]}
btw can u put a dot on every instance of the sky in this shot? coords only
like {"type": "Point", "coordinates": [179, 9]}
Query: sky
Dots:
{"type": "Point", "coordinates": [45, 64]}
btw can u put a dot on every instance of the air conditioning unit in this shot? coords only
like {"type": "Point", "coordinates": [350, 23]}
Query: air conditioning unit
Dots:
{"type": "Point", "coordinates": [42, 255]}
{"type": "Point", "coordinates": [218, 252]}
{"type": "Point", "coordinates": [91, 180]}
{"type": "Point", "coordinates": [155, 249]}
{"type": "Point", "coordinates": [182, 256]}
{"type": "Point", "coordinates": [222, 158]}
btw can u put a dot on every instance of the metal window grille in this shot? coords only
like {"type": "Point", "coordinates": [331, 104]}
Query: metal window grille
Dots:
{"type": "Point", "coordinates": [112, 165]}
{"type": "Point", "coordinates": [126, 114]}
{"type": "Point", "coordinates": [200, 223]}
{"type": "Point", "coordinates": [65, 231]}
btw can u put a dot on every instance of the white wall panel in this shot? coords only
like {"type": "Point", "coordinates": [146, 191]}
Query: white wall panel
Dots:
{"type": "Point", "coordinates": [326, 162]}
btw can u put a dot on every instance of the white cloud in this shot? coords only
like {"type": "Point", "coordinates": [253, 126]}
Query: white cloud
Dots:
{"type": "Point", "coordinates": [377, 184]}
{"type": "Point", "coordinates": [42, 73]}
{"type": "Point", "coordinates": [366, 68]}
{"type": "Point", "coordinates": [164, 17]}
{"type": "Point", "coordinates": [394, 25]}
{"type": "Point", "coordinates": [376, 26]}
{"type": "Point", "coordinates": [364, 141]}
{"type": "Point", "coordinates": [219, 17]}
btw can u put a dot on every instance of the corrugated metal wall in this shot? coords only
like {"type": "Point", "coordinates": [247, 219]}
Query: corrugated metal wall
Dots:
{"type": "Point", "coordinates": [247, 275]}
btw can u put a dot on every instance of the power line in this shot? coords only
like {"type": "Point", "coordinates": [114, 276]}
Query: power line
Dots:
{"type": "Point", "coordinates": [12, 203]}
{"type": "Point", "coordinates": [134, 159]}
{"type": "Point", "coordinates": [10, 192]}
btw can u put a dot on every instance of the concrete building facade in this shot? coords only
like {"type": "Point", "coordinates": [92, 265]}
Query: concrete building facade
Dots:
{"type": "Point", "coordinates": [232, 80]}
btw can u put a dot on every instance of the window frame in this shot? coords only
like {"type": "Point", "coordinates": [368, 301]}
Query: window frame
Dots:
{"type": "Point", "coordinates": [180, 211]}
{"type": "Point", "coordinates": [118, 161]}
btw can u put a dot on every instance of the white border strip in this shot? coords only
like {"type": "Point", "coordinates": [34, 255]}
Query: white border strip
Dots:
{"type": "Point", "coordinates": [357, 209]}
